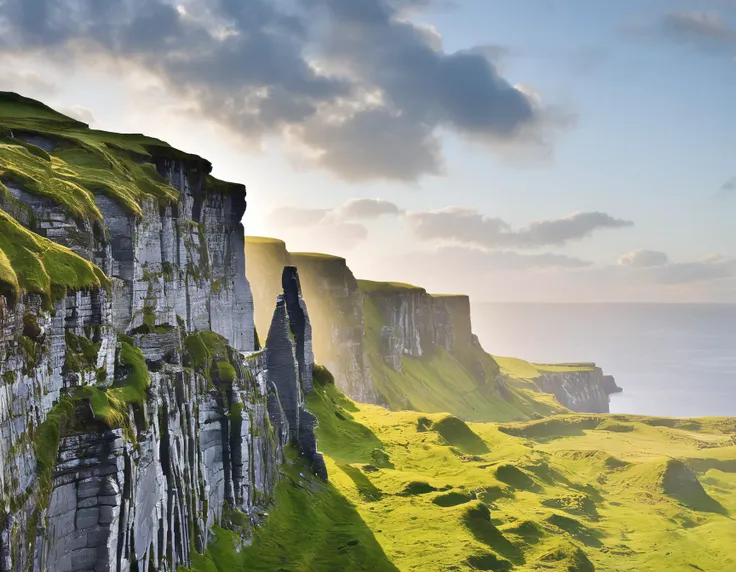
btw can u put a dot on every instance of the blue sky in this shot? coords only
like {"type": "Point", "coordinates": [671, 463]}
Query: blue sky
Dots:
{"type": "Point", "coordinates": [635, 101]}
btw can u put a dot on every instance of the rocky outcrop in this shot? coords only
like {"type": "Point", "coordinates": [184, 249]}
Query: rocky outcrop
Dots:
{"type": "Point", "coordinates": [609, 385]}
{"type": "Point", "coordinates": [582, 391]}
{"type": "Point", "coordinates": [136, 416]}
{"type": "Point", "coordinates": [336, 306]}
{"type": "Point", "coordinates": [335, 303]}
{"type": "Point", "coordinates": [289, 363]}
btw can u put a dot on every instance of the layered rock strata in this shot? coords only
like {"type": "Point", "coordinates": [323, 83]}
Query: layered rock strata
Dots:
{"type": "Point", "coordinates": [136, 416]}
{"type": "Point", "coordinates": [416, 323]}
{"type": "Point", "coordinates": [289, 362]}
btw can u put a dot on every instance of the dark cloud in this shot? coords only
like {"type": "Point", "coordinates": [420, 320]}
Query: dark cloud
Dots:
{"type": "Point", "coordinates": [643, 259]}
{"type": "Point", "coordinates": [468, 226]}
{"type": "Point", "coordinates": [369, 98]}
{"type": "Point", "coordinates": [364, 209]}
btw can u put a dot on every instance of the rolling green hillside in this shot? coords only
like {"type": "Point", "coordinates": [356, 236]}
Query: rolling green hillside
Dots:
{"type": "Point", "coordinates": [573, 493]}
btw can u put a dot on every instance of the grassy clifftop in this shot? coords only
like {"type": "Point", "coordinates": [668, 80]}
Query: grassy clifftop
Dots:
{"type": "Point", "coordinates": [77, 162]}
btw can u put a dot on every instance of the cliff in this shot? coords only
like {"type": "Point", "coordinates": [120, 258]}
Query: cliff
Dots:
{"type": "Point", "coordinates": [135, 412]}
{"type": "Point", "coordinates": [401, 347]}
{"type": "Point", "coordinates": [580, 391]}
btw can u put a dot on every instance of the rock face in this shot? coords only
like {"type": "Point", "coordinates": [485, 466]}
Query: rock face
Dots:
{"type": "Point", "coordinates": [609, 385]}
{"type": "Point", "coordinates": [336, 305]}
{"type": "Point", "coordinates": [415, 323]}
{"type": "Point", "coordinates": [581, 391]}
{"type": "Point", "coordinates": [134, 418]}
{"type": "Point", "coordinates": [289, 362]}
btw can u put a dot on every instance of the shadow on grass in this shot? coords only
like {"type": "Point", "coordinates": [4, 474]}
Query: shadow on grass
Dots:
{"type": "Point", "coordinates": [514, 477]}
{"type": "Point", "coordinates": [576, 529]}
{"type": "Point", "coordinates": [477, 519]}
{"type": "Point", "coordinates": [680, 483]}
{"type": "Point", "coordinates": [310, 526]}
{"type": "Point", "coordinates": [366, 489]}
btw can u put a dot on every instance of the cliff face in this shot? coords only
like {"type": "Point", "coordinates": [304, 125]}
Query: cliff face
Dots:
{"type": "Point", "coordinates": [134, 411]}
{"type": "Point", "coordinates": [415, 323]}
{"type": "Point", "coordinates": [581, 391]}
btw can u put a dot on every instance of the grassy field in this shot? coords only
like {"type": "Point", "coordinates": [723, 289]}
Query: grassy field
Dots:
{"type": "Point", "coordinates": [429, 492]}
{"type": "Point", "coordinates": [571, 492]}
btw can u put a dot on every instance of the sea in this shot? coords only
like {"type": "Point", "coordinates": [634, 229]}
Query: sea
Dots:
{"type": "Point", "coordinates": [676, 360]}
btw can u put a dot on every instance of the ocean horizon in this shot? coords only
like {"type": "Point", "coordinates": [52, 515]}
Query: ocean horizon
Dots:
{"type": "Point", "coordinates": [676, 360]}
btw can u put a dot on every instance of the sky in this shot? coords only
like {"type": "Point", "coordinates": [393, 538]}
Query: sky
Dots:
{"type": "Point", "coordinates": [570, 150]}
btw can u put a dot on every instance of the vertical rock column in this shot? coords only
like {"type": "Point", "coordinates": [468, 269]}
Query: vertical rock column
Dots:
{"type": "Point", "coordinates": [289, 363]}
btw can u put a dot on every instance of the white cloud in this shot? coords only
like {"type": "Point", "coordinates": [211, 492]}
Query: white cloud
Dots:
{"type": "Point", "coordinates": [643, 258]}
{"type": "Point", "coordinates": [468, 226]}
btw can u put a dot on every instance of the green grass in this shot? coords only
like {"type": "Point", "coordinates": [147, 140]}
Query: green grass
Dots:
{"type": "Point", "coordinates": [111, 405]}
{"type": "Point", "coordinates": [463, 383]}
{"type": "Point", "coordinates": [314, 256]}
{"type": "Point", "coordinates": [560, 494]}
{"type": "Point", "coordinates": [32, 264]}
{"type": "Point", "coordinates": [264, 240]}
{"type": "Point", "coordinates": [310, 527]}
{"type": "Point", "coordinates": [522, 369]}
{"type": "Point", "coordinates": [371, 286]}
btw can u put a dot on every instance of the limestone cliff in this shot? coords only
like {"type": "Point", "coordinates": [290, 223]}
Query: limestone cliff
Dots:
{"type": "Point", "coordinates": [135, 411]}
{"type": "Point", "coordinates": [581, 391]}
{"type": "Point", "coordinates": [416, 323]}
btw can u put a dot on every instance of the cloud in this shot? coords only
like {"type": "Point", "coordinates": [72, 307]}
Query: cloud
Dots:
{"type": "Point", "coordinates": [656, 267]}
{"type": "Point", "coordinates": [336, 225]}
{"type": "Point", "coordinates": [20, 80]}
{"type": "Point", "coordinates": [79, 113]}
{"type": "Point", "coordinates": [709, 269]}
{"type": "Point", "coordinates": [643, 259]}
{"type": "Point", "coordinates": [297, 217]}
{"type": "Point", "coordinates": [705, 30]}
{"type": "Point", "coordinates": [362, 87]}
{"type": "Point", "coordinates": [352, 210]}
{"type": "Point", "coordinates": [468, 226]}
{"type": "Point", "coordinates": [698, 27]}
{"type": "Point", "coordinates": [496, 260]}
{"type": "Point", "coordinates": [364, 209]}
{"type": "Point", "coordinates": [729, 186]}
